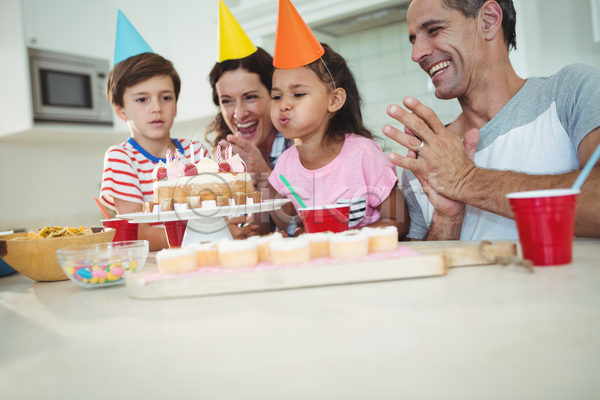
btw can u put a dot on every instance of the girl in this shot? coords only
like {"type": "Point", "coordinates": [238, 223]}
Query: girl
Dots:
{"type": "Point", "coordinates": [334, 159]}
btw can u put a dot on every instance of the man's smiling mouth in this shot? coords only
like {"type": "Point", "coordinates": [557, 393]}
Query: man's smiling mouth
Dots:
{"type": "Point", "coordinates": [439, 68]}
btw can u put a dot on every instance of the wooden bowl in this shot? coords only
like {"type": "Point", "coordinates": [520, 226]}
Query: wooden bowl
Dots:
{"type": "Point", "coordinates": [36, 259]}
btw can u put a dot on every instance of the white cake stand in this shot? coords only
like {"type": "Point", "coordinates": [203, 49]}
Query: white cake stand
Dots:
{"type": "Point", "coordinates": [205, 224]}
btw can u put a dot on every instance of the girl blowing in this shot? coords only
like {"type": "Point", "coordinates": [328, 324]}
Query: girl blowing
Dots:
{"type": "Point", "coordinates": [334, 159]}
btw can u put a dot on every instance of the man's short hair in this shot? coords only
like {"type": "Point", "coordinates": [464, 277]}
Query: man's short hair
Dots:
{"type": "Point", "coordinates": [470, 8]}
{"type": "Point", "coordinates": [136, 69]}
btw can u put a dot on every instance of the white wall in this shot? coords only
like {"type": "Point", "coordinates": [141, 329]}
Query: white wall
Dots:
{"type": "Point", "coordinates": [565, 36]}
{"type": "Point", "coordinates": [51, 178]}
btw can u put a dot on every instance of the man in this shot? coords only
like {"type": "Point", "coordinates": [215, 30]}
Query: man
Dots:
{"type": "Point", "coordinates": [512, 135]}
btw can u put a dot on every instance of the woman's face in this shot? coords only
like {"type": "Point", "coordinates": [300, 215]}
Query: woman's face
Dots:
{"type": "Point", "coordinates": [245, 104]}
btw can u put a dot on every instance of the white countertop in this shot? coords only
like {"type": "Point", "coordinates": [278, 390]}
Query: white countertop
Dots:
{"type": "Point", "coordinates": [487, 332]}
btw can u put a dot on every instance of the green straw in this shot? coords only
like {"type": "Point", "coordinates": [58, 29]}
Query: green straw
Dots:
{"type": "Point", "coordinates": [298, 199]}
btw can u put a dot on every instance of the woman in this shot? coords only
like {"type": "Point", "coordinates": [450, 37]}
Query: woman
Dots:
{"type": "Point", "coordinates": [242, 91]}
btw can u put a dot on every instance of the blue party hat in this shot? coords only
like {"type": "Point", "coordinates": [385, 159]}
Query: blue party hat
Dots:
{"type": "Point", "coordinates": [129, 42]}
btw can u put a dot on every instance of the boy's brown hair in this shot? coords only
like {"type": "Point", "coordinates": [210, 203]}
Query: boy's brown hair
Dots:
{"type": "Point", "coordinates": [136, 69]}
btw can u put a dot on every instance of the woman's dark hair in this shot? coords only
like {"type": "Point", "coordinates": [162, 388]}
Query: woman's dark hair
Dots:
{"type": "Point", "coordinates": [260, 62]}
{"type": "Point", "coordinates": [347, 119]}
{"type": "Point", "coordinates": [470, 8]}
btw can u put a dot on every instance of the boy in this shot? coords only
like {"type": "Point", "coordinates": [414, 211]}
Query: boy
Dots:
{"type": "Point", "coordinates": [143, 90]}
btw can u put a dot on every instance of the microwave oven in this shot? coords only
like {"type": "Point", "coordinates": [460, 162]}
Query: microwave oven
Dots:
{"type": "Point", "coordinates": [70, 89]}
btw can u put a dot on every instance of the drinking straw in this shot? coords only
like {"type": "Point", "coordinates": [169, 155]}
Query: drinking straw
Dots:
{"type": "Point", "coordinates": [102, 208]}
{"type": "Point", "coordinates": [587, 169]}
{"type": "Point", "coordinates": [298, 199]}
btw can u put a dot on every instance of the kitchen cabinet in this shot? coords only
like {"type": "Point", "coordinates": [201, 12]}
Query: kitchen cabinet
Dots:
{"type": "Point", "coordinates": [83, 28]}
{"type": "Point", "coordinates": [15, 97]}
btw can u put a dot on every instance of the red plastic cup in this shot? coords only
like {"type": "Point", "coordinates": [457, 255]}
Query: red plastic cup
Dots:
{"type": "Point", "coordinates": [175, 231]}
{"type": "Point", "coordinates": [332, 218]}
{"type": "Point", "coordinates": [125, 230]}
{"type": "Point", "coordinates": [546, 224]}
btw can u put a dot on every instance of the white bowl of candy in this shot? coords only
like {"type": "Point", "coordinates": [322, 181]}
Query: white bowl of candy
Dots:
{"type": "Point", "coordinates": [104, 264]}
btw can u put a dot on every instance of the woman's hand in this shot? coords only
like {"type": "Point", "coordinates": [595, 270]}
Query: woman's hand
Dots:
{"type": "Point", "coordinates": [255, 162]}
{"type": "Point", "coordinates": [243, 232]}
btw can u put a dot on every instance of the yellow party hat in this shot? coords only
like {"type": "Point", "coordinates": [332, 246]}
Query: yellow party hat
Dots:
{"type": "Point", "coordinates": [232, 41]}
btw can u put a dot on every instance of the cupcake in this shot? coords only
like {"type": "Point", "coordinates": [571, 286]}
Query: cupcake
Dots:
{"type": "Point", "coordinates": [263, 243]}
{"type": "Point", "coordinates": [383, 239]}
{"type": "Point", "coordinates": [319, 243]}
{"type": "Point", "coordinates": [207, 254]}
{"type": "Point", "coordinates": [349, 244]}
{"type": "Point", "coordinates": [290, 251]}
{"type": "Point", "coordinates": [238, 253]}
{"type": "Point", "coordinates": [176, 261]}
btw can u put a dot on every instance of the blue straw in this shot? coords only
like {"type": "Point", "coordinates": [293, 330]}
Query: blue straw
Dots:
{"type": "Point", "coordinates": [587, 169]}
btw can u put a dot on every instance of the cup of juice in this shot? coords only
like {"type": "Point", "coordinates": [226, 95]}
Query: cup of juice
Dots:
{"type": "Point", "coordinates": [333, 218]}
{"type": "Point", "coordinates": [175, 231]}
{"type": "Point", "coordinates": [546, 224]}
{"type": "Point", "coordinates": [125, 230]}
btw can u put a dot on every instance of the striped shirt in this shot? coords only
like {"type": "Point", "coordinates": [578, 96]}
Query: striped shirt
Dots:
{"type": "Point", "coordinates": [128, 171]}
{"type": "Point", "coordinates": [280, 144]}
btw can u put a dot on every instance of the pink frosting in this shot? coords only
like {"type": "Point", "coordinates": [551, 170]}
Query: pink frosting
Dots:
{"type": "Point", "coordinates": [236, 164]}
{"type": "Point", "coordinates": [175, 169]}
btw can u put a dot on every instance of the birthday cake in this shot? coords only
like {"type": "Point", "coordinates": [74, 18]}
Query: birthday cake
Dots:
{"type": "Point", "coordinates": [206, 184]}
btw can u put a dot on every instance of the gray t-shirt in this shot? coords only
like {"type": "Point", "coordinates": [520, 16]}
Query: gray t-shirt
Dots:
{"type": "Point", "coordinates": [537, 132]}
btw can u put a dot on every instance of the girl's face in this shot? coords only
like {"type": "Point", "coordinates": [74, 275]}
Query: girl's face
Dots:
{"type": "Point", "coordinates": [245, 104]}
{"type": "Point", "coordinates": [300, 103]}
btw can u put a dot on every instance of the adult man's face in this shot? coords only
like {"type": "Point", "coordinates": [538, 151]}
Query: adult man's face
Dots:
{"type": "Point", "coordinates": [443, 43]}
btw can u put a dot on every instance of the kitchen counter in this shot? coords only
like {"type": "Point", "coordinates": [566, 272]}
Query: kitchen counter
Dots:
{"type": "Point", "coordinates": [485, 332]}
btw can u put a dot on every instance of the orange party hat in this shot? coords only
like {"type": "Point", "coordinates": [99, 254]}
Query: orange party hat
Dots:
{"type": "Point", "coordinates": [232, 41]}
{"type": "Point", "coordinates": [295, 44]}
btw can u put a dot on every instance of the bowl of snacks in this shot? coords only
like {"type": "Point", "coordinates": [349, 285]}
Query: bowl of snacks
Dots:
{"type": "Point", "coordinates": [104, 264]}
{"type": "Point", "coordinates": [33, 254]}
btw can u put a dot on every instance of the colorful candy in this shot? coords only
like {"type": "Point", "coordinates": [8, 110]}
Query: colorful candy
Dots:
{"type": "Point", "coordinates": [98, 272]}
{"type": "Point", "coordinates": [111, 277]}
{"type": "Point", "coordinates": [85, 273]}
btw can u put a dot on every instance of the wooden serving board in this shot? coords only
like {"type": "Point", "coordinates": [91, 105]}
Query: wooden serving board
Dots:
{"type": "Point", "coordinates": [466, 253]}
{"type": "Point", "coordinates": [266, 277]}
{"type": "Point", "coordinates": [429, 261]}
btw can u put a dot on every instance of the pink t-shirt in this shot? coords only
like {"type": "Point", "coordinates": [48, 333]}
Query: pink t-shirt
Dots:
{"type": "Point", "coordinates": [361, 175]}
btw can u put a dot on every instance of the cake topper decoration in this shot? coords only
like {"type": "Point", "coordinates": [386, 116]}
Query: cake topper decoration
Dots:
{"type": "Point", "coordinates": [232, 41]}
{"type": "Point", "coordinates": [128, 42]}
{"type": "Point", "coordinates": [295, 44]}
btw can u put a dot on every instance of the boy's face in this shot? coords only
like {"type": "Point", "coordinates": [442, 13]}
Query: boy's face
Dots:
{"type": "Point", "coordinates": [149, 108]}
